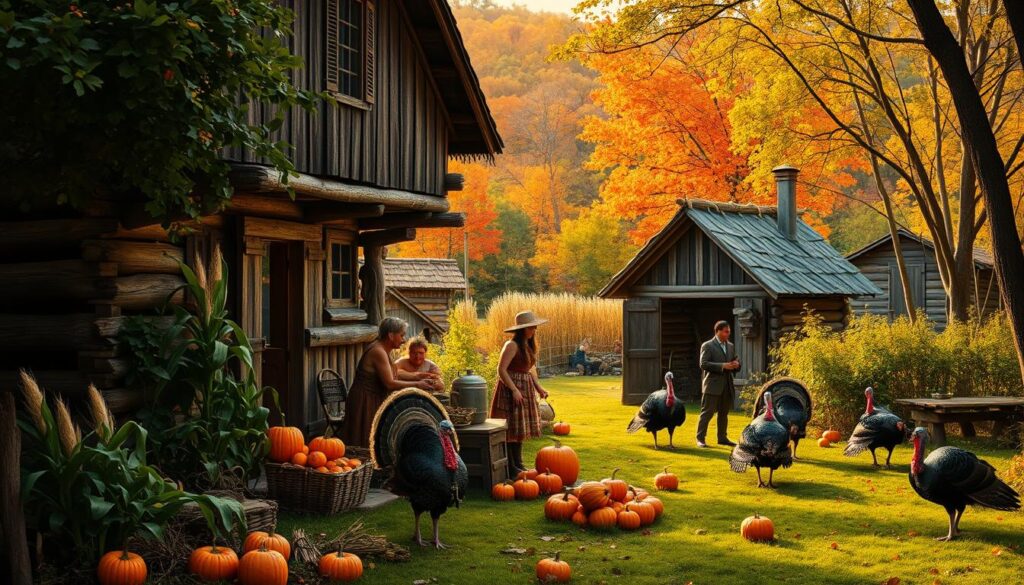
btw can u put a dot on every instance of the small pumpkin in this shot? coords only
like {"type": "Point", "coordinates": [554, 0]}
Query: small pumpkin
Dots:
{"type": "Point", "coordinates": [666, 481]}
{"type": "Point", "coordinates": [553, 570]}
{"type": "Point", "coordinates": [561, 428]}
{"type": "Point", "coordinates": [526, 489]}
{"type": "Point", "coordinates": [284, 442]}
{"type": "Point", "coordinates": [332, 447]}
{"type": "Point", "coordinates": [617, 489]}
{"type": "Point", "coordinates": [503, 492]}
{"type": "Point", "coordinates": [341, 566]}
{"type": "Point", "coordinates": [823, 442]}
{"type": "Point", "coordinates": [833, 436]}
{"type": "Point", "coordinates": [579, 517]}
{"type": "Point", "coordinates": [527, 474]}
{"type": "Point", "coordinates": [549, 482]}
{"type": "Point", "coordinates": [263, 566]}
{"type": "Point", "coordinates": [645, 510]}
{"type": "Point", "coordinates": [316, 459]}
{"type": "Point", "coordinates": [757, 528]}
{"type": "Point", "coordinates": [617, 506]}
{"type": "Point", "coordinates": [120, 567]}
{"type": "Point", "coordinates": [602, 518]}
{"type": "Point", "coordinates": [658, 505]}
{"type": "Point", "coordinates": [299, 459]}
{"type": "Point", "coordinates": [593, 495]}
{"type": "Point", "coordinates": [561, 460]}
{"type": "Point", "coordinates": [636, 493]}
{"type": "Point", "coordinates": [271, 540]}
{"type": "Point", "coordinates": [561, 507]}
{"type": "Point", "coordinates": [213, 563]}
{"type": "Point", "coordinates": [628, 520]}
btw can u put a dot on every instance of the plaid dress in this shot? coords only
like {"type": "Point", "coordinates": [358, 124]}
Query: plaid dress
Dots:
{"type": "Point", "coordinates": [523, 420]}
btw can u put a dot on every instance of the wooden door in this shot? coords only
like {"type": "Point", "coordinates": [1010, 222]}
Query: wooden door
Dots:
{"type": "Point", "coordinates": [641, 348]}
{"type": "Point", "coordinates": [748, 334]}
{"type": "Point", "coordinates": [897, 304]}
{"type": "Point", "coordinates": [276, 303]}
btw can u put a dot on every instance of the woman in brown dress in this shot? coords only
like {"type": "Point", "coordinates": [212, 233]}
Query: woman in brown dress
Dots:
{"type": "Point", "coordinates": [515, 397]}
{"type": "Point", "coordinates": [375, 379]}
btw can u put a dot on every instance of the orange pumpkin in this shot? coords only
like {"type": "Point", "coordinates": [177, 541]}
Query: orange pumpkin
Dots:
{"type": "Point", "coordinates": [271, 540]}
{"type": "Point", "coordinates": [823, 442]}
{"type": "Point", "coordinates": [503, 492]}
{"type": "Point", "coordinates": [333, 447]}
{"type": "Point", "coordinates": [353, 463]}
{"type": "Point", "coordinates": [602, 518]}
{"type": "Point", "coordinates": [299, 459]}
{"type": "Point", "coordinates": [526, 489]}
{"type": "Point", "coordinates": [213, 563]}
{"type": "Point", "coordinates": [120, 567]}
{"type": "Point", "coordinates": [263, 567]}
{"type": "Point", "coordinates": [305, 449]}
{"type": "Point", "coordinates": [617, 488]}
{"type": "Point", "coordinates": [553, 570]}
{"type": "Point", "coordinates": [628, 520]}
{"type": "Point", "coordinates": [636, 494]}
{"type": "Point", "coordinates": [561, 460]}
{"type": "Point", "coordinates": [617, 506]}
{"type": "Point", "coordinates": [316, 459]}
{"type": "Point", "coordinates": [579, 517]}
{"type": "Point", "coordinates": [659, 507]}
{"type": "Point", "coordinates": [284, 442]}
{"type": "Point", "coordinates": [666, 481]}
{"type": "Point", "coordinates": [341, 566]}
{"type": "Point", "coordinates": [757, 528]}
{"type": "Point", "coordinates": [561, 428]}
{"type": "Point", "coordinates": [645, 510]}
{"type": "Point", "coordinates": [527, 474]}
{"type": "Point", "coordinates": [593, 495]}
{"type": "Point", "coordinates": [560, 507]}
{"type": "Point", "coordinates": [549, 482]}
{"type": "Point", "coordinates": [832, 436]}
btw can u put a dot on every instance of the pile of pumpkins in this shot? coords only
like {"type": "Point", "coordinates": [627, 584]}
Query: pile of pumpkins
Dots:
{"type": "Point", "coordinates": [828, 437]}
{"type": "Point", "coordinates": [325, 455]}
{"type": "Point", "coordinates": [264, 562]}
{"type": "Point", "coordinates": [605, 504]}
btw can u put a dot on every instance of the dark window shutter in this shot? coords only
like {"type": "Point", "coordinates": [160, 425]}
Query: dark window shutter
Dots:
{"type": "Point", "coordinates": [370, 53]}
{"type": "Point", "coordinates": [331, 50]}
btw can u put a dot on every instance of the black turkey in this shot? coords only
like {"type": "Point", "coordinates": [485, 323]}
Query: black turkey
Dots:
{"type": "Point", "coordinates": [793, 406]}
{"type": "Point", "coordinates": [763, 443]}
{"type": "Point", "coordinates": [954, 478]}
{"type": "Point", "coordinates": [877, 428]}
{"type": "Point", "coordinates": [411, 435]}
{"type": "Point", "coordinates": [660, 411]}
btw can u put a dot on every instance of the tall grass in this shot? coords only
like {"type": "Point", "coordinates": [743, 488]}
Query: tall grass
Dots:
{"type": "Point", "coordinates": [571, 318]}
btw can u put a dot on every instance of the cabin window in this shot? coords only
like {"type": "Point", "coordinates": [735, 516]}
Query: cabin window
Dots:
{"type": "Point", "coordinates": [351, 40]}
{"type": "Point", "coordinates": [340, 270]}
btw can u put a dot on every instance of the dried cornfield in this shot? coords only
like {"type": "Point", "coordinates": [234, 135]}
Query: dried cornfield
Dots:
{"type": "Point", "coordinates": [571, 318]}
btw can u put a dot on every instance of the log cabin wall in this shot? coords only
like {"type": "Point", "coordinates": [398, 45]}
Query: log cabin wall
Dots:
{"type": "Point", "coordinates": [787, 313]}
{"type": "Point", "coordinates": [400, 141]}
{"type": "Point", "coordinates": [434, 303]}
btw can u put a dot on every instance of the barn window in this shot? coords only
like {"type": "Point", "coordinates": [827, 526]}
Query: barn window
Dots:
{"type": "Point", "coordinates": [340, 273]}
{"type": "Point", "coordinates": [351, 51]}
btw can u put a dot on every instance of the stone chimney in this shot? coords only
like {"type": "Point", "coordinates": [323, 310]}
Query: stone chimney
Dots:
{"type": "Point", "coordinates": [785, 185]}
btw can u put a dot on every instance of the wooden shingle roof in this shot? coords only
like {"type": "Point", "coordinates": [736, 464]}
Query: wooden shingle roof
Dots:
{"type": "Point", "coordinates": [749, 235]}
{"type": "Point", "coordinates": [436, 273]}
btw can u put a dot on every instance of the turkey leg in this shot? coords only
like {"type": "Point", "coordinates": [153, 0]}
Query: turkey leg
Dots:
{"type": "Point", "coordinates": [670, 445]}
{"type": "Point", "coordinates": [887, 466]}
{"type": "Point", "coordinates": [954, 521]}
{"type": "Point", "coordinates": [437, 537]}
{"type": "Point", "coordinates": [795, 443]}
{"type": "Point", "coordinates": [416, 534]}
{"type": "Point", "coordinates": [874, 458]}
{"type": "Point", "coordinates": [771, 474]}
{"type": "Point", "coordinates": [760, 482]}
{"type": "Point", "coordinates": [655, 433]}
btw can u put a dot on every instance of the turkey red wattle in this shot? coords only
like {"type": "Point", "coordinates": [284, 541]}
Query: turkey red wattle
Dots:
{"type": "Point", "coordinates": [916, 465]}
{"type": "Point", "coordinates": [769, 408]}
{"type": "Point", "coordinates": [670, 396]}
{"type": "Point", "coordinates": [871, 401]}
{"type": "Point", "coordinates": [451, 461]}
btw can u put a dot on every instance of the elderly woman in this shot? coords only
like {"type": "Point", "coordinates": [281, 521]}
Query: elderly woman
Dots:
{"type": "Point", "coordinates": [416, 366]}
{"type": "Point", "coordinates": [374, 380]}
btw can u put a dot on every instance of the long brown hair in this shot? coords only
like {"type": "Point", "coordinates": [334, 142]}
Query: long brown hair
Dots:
{"type": "Point", "coordinates": [527, 347]}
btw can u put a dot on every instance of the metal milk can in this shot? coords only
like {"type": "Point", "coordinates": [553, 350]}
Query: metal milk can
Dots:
{"type": "Point", "coordinates": [470, 391]}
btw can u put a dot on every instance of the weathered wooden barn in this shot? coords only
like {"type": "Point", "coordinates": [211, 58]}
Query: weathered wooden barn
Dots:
{"type": "Point", "coordinates": [877, 261]}
{"type": "Point", "coordinates": [755, 266]}
{"type": "Point", "coordinates": [372, 169]}
{"type": "Point", "coordinates": [421, 291]}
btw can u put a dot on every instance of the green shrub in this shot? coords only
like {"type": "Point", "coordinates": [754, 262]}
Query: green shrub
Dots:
{"type": "Point", "coordinates": [899, 360]}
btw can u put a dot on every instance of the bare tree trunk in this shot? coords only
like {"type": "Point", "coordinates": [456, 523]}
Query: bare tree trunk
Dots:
{"type": "Point", "coordinates": [1015, 15]}
{"type": "Point", "coordinates": [988, 162]}
{"type": "Point", "coordinates": [15, 567]}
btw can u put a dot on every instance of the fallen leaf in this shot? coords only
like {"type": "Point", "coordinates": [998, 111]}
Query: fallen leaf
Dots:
{"type": "Point", "coordinates": [371, 565]}
{"type": "Point", "coordinates": [997, 551]}
{"type": "Point", "coordinates": [547, 538]}
{"type": "Point", "coordinates": [834, 546]}
{"type": "Point", "coordinates": [933, 571]}
{"type": "Point", "coordinates": [891, 581]}
{"type": "Point", "coordinates": [913, 533]}
{"type": "Point", "coordinates": [896, 557]}
{"type": "Point", "coordinates": [613, 546]}
{"type": "Point", "coordinates": [646, 532]}
{"type": "Point", "coordinates": [581, 548]}
{"type": "Point", "coordinates": [625, 558]}
{"type": "Point", "coordinates": [700, 531]}
{"type": "Point", "coordinates": [796, 536]}
{"type": "Point", "coordinates": [420, 582]}
{"type": "Point", "coordinates": [936, 582]}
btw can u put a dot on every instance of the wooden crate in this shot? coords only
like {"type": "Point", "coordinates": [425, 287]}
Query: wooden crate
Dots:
{"type": "Point", "coordinates": [483, 449]}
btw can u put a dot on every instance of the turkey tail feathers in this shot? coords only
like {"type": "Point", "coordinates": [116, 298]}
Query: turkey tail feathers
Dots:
{"type": "Point", "coordinates": [998, 496]}
{"type": "Point", "coordinates": [785, 387]}
{"type": "Point", "coordinates": [636, 424]}
{"type": "Point", "coordinates": [740, 459]}
{"type": "Point", "coordinates": [853, 448]}
{"type": "Point", "coordinates": [400, 412]}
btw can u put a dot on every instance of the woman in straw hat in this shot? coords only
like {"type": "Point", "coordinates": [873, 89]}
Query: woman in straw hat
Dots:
{"type": "Point", "coordinates": [515, 397]}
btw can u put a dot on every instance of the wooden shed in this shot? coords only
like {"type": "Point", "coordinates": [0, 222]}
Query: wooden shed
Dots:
{"type": "Point", "coordinates": [421, 291]}
{"type": "Point", "coordinates": [877, 261]}
{"type": "Point", "coordinates": [372, 169]}
{"type": "Point", "coordinates": [755, 266]}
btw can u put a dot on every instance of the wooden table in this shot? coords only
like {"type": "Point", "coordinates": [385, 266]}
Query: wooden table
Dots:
{"type": "Point", "coordinates": [936, 412]}
{"type": "Point", "coordinates": [483, 450]}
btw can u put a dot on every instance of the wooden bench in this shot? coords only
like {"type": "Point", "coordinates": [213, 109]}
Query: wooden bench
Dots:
{"type": "Point", "coordinates": [936, 412]}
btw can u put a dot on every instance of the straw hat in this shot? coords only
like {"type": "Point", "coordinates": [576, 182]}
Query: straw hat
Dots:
{"type": "Point", "coordinates": [526, 319]}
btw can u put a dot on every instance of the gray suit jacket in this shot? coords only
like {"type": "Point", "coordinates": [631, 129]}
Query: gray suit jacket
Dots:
{"type": "Point", "coordinates": [716, 380]}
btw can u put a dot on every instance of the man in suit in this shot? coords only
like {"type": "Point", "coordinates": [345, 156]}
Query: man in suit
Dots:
{"type": "Point", "coordinates": [718, 363]}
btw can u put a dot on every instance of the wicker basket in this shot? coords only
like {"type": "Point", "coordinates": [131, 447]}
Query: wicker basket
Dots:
{"type": "Point", "coordinates": [304, 490]}
{"type": "Point", "coordinates": [460, 416]}
{"type": "Point", "coordinates": [259, 515]}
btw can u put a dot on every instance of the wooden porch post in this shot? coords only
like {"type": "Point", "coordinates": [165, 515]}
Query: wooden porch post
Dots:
{"type": "Point", "coordinates": [371, 275]}
{"type": "Point", "coordinates": [15, 567]}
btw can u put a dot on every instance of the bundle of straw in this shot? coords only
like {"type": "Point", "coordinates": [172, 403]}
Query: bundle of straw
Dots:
{"type": "Point", "coordinates": [356, 540]}
{"type": "Point", "coordinates": [305, 550]}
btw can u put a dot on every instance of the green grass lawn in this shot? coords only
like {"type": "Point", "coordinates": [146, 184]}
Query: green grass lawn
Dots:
{"type": "Point", "coordinates": [880, 527]}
